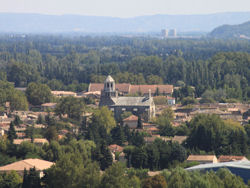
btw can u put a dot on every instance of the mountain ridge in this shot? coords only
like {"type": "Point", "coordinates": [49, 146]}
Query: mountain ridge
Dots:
{"type": "Point", "coordinates": [44, 23]}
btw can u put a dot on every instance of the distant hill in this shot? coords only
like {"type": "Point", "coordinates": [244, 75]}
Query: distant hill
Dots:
{"type": "Point", "coordinates": [38, 23]}
{"type": "Point", "coordinates": [232, 31]}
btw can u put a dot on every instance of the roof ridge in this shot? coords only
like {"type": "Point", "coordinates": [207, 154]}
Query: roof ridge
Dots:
{"type": "Point", "coordinates": [24, 161]}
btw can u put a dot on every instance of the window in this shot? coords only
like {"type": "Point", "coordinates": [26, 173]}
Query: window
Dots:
{"type": "Point", "coordinates": [123, 109]}
{"type": "Point", "coordinates": [112, 109]}
{"type": "Point", "coordinates": [135, 109]}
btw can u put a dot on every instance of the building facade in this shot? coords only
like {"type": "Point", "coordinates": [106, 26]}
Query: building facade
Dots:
{"type": "Point", "coordinates": [140, 106]}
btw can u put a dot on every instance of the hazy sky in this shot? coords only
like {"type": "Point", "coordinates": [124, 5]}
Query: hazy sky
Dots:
{"type": "Point", "coordinates": [124, 8]}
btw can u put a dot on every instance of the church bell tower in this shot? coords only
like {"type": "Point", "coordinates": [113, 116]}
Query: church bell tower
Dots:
{"type": "Point", "coordinates": [109, 87]}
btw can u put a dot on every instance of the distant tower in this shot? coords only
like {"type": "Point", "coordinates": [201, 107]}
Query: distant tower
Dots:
{"type": "Point", "coordinates": [172, 33]}
{"type": "Point", "coordinates": [164, 33]}
{"type": "Point", "coordinates": [109, 87]}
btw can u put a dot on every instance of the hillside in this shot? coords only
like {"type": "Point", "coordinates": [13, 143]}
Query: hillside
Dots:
{"type": "Point", "coordinates": [38, 23]}
{"type": "Point", "coordinates": [232, 31]}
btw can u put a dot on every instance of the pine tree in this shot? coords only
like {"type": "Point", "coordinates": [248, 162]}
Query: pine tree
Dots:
{"type": "Point", "coordinates": [106, 159]}
{"type": "Point", "coordinates": [139, 123]}
{"type": "Point", "coordinates": [12, 132]}
{"type": "Point", "coordinates": [31, 179]}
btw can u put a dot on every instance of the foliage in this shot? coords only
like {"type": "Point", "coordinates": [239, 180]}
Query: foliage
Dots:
{"type": "Point", "coordinates": [31, 179]}
{"type": "Point", "coordinates": [103, 117]}
{"type": "Point", "coordinates": [10, 180]}
{"type": "Point", "coordinates": [157, 181]}
{"type": "Point", "coordinates": [210, 133]}
{"type": "Point", "coordinates": [71, 106]}
{"type": "Point", "coordinates": [38, 94]}
{"type": "Point", "coordinates": [12, 132]}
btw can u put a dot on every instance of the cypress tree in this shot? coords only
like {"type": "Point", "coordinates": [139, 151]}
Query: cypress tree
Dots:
{"type": "Point", "coordinates": [139, 123]}
{"type": "Point", "coordinates": [12, 132]}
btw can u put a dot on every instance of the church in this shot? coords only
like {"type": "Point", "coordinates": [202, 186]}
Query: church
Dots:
{"type": "Point", "coordinates": [139, 106]}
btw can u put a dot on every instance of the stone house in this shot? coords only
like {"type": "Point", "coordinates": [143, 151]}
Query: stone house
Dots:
{"type": "Point", "coordinates": [202, 159]}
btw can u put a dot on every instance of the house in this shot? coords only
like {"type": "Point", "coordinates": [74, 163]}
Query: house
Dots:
{"type": "Point", "coordinates": [48, 106]}
{"type": "Point", "coordinates": [228, 158]}
{"type": "Point", "coordinates": [202, 159]}
{"type": "Point", "coordinates": [171, 100]}
{"type": "Point", "coordinates": [115, 148]}
{"type": "Point", "coordinates": [179, 139]}
{"type": "Point", "coordinates": [92, 94]}
{"type": "Point", "coordinates": [143, 106]}
{"type": "Point", "coordinates": [27, 164]}
{"type": "Point", "coordinates": [63, 93]}
{"type": "Point", "coordinates": [131, 122]}
{"type": "Point", "coordinates": [37, 141]}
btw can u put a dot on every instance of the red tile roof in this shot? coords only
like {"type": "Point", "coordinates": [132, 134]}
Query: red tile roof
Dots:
{"type": "Point", "coordinates": [115, 148]}
{"type": "Point", "coordinates": [144, 89]}
{"type": "Point", "coordinates": [131, 118]}
{"type": "Point", "coordinates": [100, 86]}
{"type": "Point", "coordinates": [133, 89]}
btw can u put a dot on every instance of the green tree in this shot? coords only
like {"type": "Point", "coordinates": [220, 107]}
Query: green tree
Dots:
{"type": "Point", "coordinates": [12, 132]}
{"type": "Point", "coordinates": [38, 94]}
{"type": "Point", "coordinates": [31, 179]}
{"type": "Point", "coordinates": [10, 180]}
{"type": "Point", "coordinates": [157, 181]}
{"type": "Point", "coordinates": [104, 117]}
{"type": "Point", "coordinates": [71, 106]}
{"type": "Point", "coordinates": [115, 177]}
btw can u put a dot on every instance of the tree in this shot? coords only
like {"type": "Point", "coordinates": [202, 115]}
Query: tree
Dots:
{"type": "Point", "coordinates": [10, 180]}
{"type": "Point", "coordinates": [72, 171]}
{"type": "Point", "coordinates": [31, 179]}
{"type": "Point", "coordinates": [157, 181]}
{"type": "Point", "coordinates": [51, 133]}
{"type": "Point", "coordinates": [103, 117]}
{"type": "Point", "coordinates": [71, 106]}
{"type": "Point", "coordinates": [115, 177]}
{"type": "Point", "coordinates": [38, 94]}
{"type": "Point", "coordinates": [12, 132]}
{"type": "Point", "coordinates": [139, 123]}
{"type": "Point", "coordinates": [17, 120]}
{"type": "Point", "coordinates": [211, 133]}
{"type": "Point", "coordinates": [106, 157]}
{"type": "Point", "coordinates": [118, 136]}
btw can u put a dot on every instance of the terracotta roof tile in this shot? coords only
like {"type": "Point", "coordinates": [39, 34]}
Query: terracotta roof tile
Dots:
{"type": "Point", "coordinates": [131, 118]}
{"type": "Point", "coordinates": [124, 87]}
{"type": "Point", "coordinates": [115, 148]}
{"type": "Point", "coordinates": [27, 163]}
{"type": "Point", "coordinates": [133, 89]}
{"type": "Point", "coordinates": [227, 158]}
{"type": "Point", "coordinates": [144, 89]}
{"type": "Point", "coordinates": [201, 157]}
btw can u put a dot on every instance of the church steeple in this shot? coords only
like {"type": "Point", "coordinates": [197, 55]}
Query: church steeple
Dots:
{"type": "Point", "coordinates": [109, 87]}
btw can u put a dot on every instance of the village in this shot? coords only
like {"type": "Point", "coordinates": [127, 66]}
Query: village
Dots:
{"type": "Point", "coordinates": [137, 117]}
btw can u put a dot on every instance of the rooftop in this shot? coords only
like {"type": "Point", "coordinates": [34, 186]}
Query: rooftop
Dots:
{"type": "Point", "coordinates": [228, 158]}
{"type": "Point", "coordinates": [131, 118]}
{"type": "Point", "coordinates": [201, 157]}
{"type": "Point", "coordinates": [131, 101]}
{"type": "Point", "coordinates": [27, 164]}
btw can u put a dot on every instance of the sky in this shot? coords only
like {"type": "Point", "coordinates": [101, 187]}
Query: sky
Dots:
{"type": "Point", "coordinates": [123, 8]}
